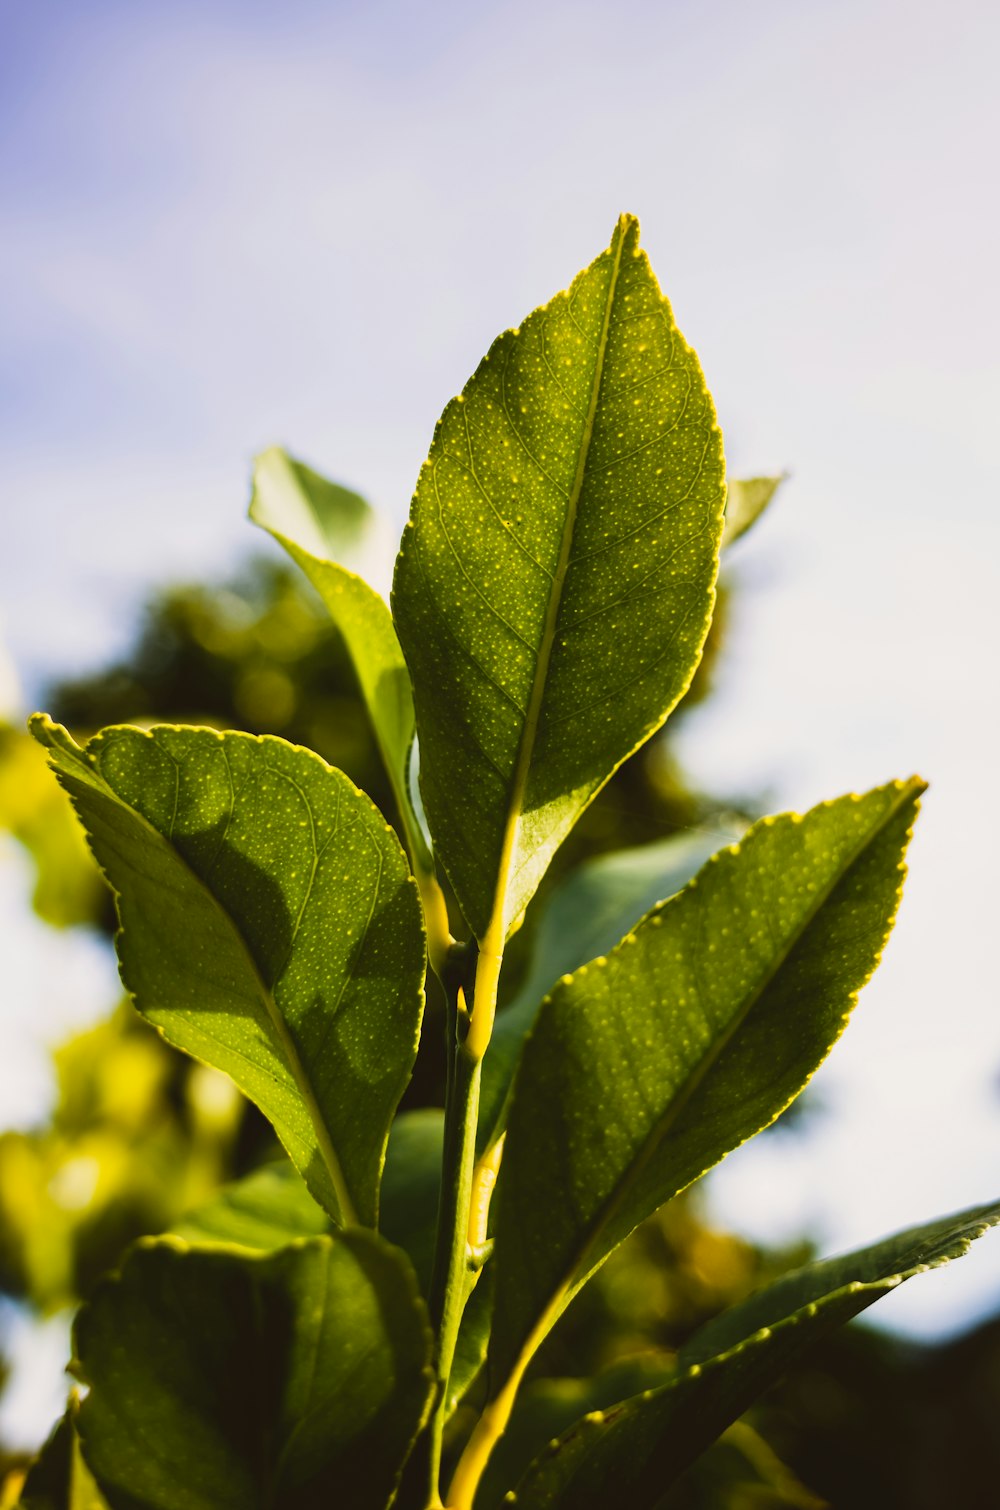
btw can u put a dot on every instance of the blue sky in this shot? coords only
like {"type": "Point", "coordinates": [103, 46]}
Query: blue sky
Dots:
{"type": "Point", "coordinates": [224, 225]}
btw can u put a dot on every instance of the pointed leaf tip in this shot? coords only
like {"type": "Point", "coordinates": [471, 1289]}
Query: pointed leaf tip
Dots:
{"type": "Point", "coordinates": [736, 989]}
{"type": "Point", "coordinates": [556, 580]}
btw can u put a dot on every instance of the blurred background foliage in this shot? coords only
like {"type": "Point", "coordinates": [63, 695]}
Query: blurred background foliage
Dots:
{"type": "Point", "coordinates": [139, 1134]}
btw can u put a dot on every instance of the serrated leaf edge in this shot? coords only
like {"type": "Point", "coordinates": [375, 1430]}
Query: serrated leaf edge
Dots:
{"type": "Point", "coordinates": [44, 728]}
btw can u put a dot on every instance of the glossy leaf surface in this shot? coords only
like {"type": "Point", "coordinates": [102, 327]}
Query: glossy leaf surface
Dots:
{"type": "Point", "coordinates": [300, 1378]}
{"type": "Point", "coordinates": [586, 915]}
{"type": "Point", "coordinates": [316, 522]}
{"type": "Point", "coordinates": [634, 1451]}
{"type": "Point", "coordinates": [269, 926]}
{"type": "Point", "coordinates": [646, 1067]}
{"type": "Point", "coordinates": [556, 578]}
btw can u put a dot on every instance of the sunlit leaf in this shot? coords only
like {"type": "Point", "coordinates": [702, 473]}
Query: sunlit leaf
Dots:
{"type": "Point", "coordinates": [59, 1479]}
{"type": "Point", "coordinates": [746, 500]}
{"type": "Point", "coordinates": [556, 578]}
{"type": "Point", "coordinates": [269, 926]}
{"type": "Point", "coordinates": [265, 1210]}
{"type": "Point", "coordinates": [586, 915]}
{"type": "Point", "coordinates": [647, 1066]}
{"type": "Point", "coordinates": [316, 522]}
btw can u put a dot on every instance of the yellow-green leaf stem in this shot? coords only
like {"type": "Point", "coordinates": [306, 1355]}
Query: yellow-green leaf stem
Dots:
{"type": "Point", "coordinates": [556, 578]}
{"type": "Point", "coordinates": [269, 927]}
{"type": "Point", "coordinates": [698, 1029]}
{"type": "Point", "coordinates": [312, 519]}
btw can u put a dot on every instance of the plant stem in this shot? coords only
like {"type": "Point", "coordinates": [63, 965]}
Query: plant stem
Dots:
{"type": "Point", "coordinates": [450, 1285]}
{"type": "Point", "coordinates": [493, 1422]}
{"type": "Point", "coordinates": [455, 1263]}
{"type": "Point", "coordinates": [439, 939]}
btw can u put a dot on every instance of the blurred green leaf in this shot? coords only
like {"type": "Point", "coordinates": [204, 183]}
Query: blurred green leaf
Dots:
{"type": "Point", "coordinates": [319, 516]}
{"type": "Point", "coordinates": [269, 926]}
{"type": "Point", "coordinates": [648, 1066]}
{"type": "Point", "coordinates": [299, 1378]}
{"type": "Point", "coordinates": [746, 500]}
{"type": "Point", "coordinates": [556, 579]}
{"type": "Point", "coordinates": [59, 1479]}
{"type": "Point", "coordinates": [634, 1451]}
{"type": "Point", "coordinates": [315, 521]}
{"type": "Point", "coordinates": [265, 1210]}
{"type": "Point", "coordinates": [410, 1186]}
{"type": "Point", "coordinates": [586, 915]}
{"type": "Point", "coordinates": [68, 887]}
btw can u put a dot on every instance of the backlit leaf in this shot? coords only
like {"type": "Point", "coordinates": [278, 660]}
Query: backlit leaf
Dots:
{"type": "Point", "coordinates": [746, 500]}
{"type": "Point", "coordinates": [316, 522]}
{"type": "Point", "coordinates": [269, 927]}
{"type": "Point", "coordinates": [649, 1065]}
{"type": "Point", "coordinates": [586, 915]}
{"type": "Point", "coordinates": [556, 578]}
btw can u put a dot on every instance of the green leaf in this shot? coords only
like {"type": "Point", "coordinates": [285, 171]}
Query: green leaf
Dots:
{"type": "Point", "coordinates": [634, 1451]}
{"type": "Point", "coordinates": [269, 927]}
{"type": "Point", "coordinates": [648, 1066]}
{"type": "Point", "coordinates": [321, 517]}
{"type": "Point", "coordinates": [548, 1407]}
{"type": "Point", "coordinates": [298, 1378]}
{"type": "Point", "coordinates": [410, 1187]}
{"type": "Point", "coordinates": [586, 915]}
{"type": "Point", "coordinates": [272, 1206]}
{"type": "Point", "coordinates": [316, 521]}
{"type": "Point", "coordinates": [745, 502]}
{"type": "Point", "coordinates": [265, 1210]}
{"type": "Point", "coordinates": [556, 577]}
{"type": "Point", "coordinates": [59, 1479]}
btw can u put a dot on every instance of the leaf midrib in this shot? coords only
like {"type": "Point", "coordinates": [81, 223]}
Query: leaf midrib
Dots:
{"type": "Point", "coordinates": [494, 937]}
{"type": "Point", "coordinates": [302, 1080]}
{"type": "Point", "coordinates": [576, 1274]}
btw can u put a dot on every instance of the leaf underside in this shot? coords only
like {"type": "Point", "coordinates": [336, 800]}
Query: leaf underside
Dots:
{"type": "Point", "coordinates": [632, 1452]}
{"type": "Point", "coordinates": [698, 1029]}
{"type": "Point", "coordinates": [269, 927]}
{"type": "Point", "coordinates": [556, 577]}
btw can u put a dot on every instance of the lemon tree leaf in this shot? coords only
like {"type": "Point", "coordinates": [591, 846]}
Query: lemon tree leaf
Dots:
{"type": "Point", "coordinates": [269, 926]}
{"type": "Point", "coordinates": [586, 915]}
{"type": "Point", "coordinates": [647, 1066]}
{"type": "Point", "coordinates": [265, 1210]}
{"type": "Point", "coordinates": [317, 522]}
{"type": "Point", "coordinates": [633, 1451]}
{"type": "Point", "coordinates": [746, 500]}
{"type": "Point", "coordinates": [294, 1378]}
{"type": "Point", "coordinates": [59, 1479]}
{"type": "Point", "coordinates": [556, 578]}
